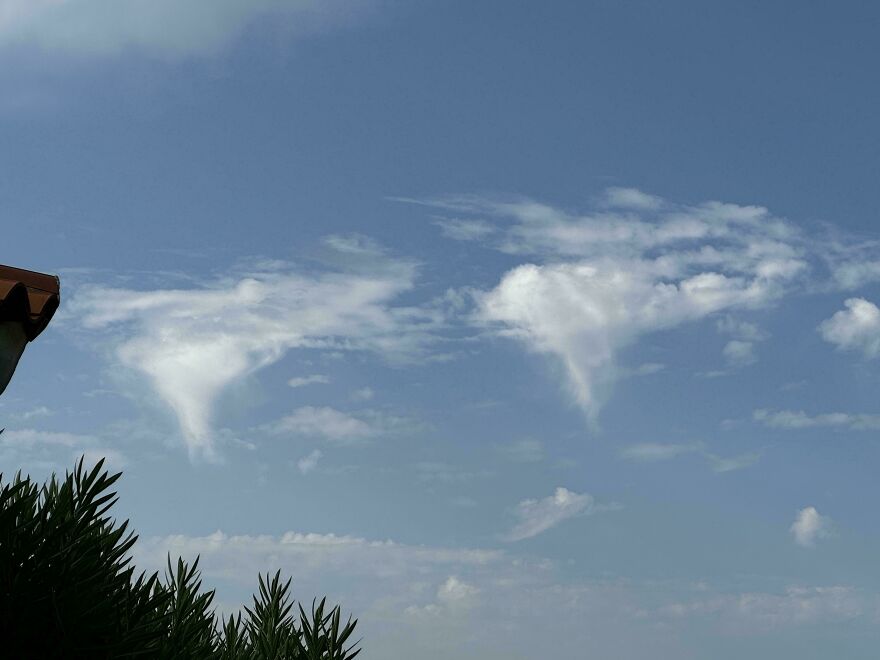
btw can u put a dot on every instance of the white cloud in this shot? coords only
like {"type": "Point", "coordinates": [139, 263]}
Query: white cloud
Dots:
{"type": "Point", "coordinates": [585, 314]}
{"type": "Point", "coordinates": [809, 526]}
{"type": "Point", "coordinates": [652, 452]}
{"type": "Point", "coordinates": [454, 596]}
{"type": "Point", "coordinates": [191, 344]}
{"type": "Point", "coordinates": [302, 381]}
{"type": "Point", "coordinates": [537, 516]}
{"type": "Point", "coordinates": [600, 282]}
{"type": "Point", "coordinates": [39, 411]}
{"type": "Point", "coordinates": [362, 394]}
{"type": "Point", "coordinates": [165, 27]}
{"type": "Point", "coordinates": [524, 451]}
{"type": "Point", "coordinates": [648, 369]}
{"type": "Point", "coordinates": [856, 328]}
{"type": "Point", "coordinates": [649, 452]}
{"type": "Point", "coordinates": [241, 557]}
{"type": "Point", "coordinates": [445, 473]}
{"type": "Point", "coordinates": [113, 458]}
{"type": "Point", "coordinates": [326, 423]}
{"type": "Point", "coordinates": [414, 601]}
{"type": "Point", "coordinates": [632, 198]}
{"type": "Point", "coordinates": [56, 450]}
{"type": "Point", "coordinates": [591, 284]}
{"type": "Point", "coordinates": [455, 592]}
{"type": "Point", "coordinates": [465, 230]}
{"type": "Point", "coordinates": [854, 274]}
{"type": "Point", "coordinates": [742, 330]}
{"type": "Point", "coordinates": [30, 438]}
{"type": "Point", "coordinates": [752, 611]}
{"type": "Point", "coordinates": [308, 463]}
{"type": "Point", "coordinates": [739, 353]}
{"type": "Point", "coordinates": [798, 419]}
{"type": "Point", "coordinates": [731, 463]}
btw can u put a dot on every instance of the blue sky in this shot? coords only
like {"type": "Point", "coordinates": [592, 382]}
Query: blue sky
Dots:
{"type": "Point", "coordinates": [496, 322]}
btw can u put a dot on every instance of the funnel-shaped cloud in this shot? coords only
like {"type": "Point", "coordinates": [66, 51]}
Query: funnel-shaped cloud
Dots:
{"type": "Point", "coordinates": [594, 284]}
{"type": "Point", "coordinates": [192, 343]}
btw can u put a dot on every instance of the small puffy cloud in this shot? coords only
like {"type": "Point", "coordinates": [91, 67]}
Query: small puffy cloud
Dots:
{"type": "Point", "coordinates": [739, 353]}
{"type": "Point", "coordinates": [856, 328]}
{"type": "Point", "coordinates": [454, 596]}
{"type": "Point", "coordinates": [798, 419]}
{"type": "Point", "coordinates": [309, 462]}
{"type": "Point", "coordinates": [740, 350]}
{"type": "Point", "coordinates": [809, 526]}
{"type": "Point", "coordinates": [631, 198]}
{"type": "Point", "coordinates": [168, 28]}
{"type": "Point", "coordinates": [456, 593]}
{"type": "Point", "coordinates": [537, 516]}
{"type": "Point", "coordinates": [302, 381]}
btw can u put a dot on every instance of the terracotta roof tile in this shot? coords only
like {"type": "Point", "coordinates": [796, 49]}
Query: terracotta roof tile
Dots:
{"type": "Point", "coordinates": [29, 298]}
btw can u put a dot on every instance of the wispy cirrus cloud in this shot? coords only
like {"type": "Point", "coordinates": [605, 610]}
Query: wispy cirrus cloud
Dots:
{"type": "Point", "coordinates": [242, 556]}
{"type": "Point", "coordinates": [302, 381]}
{"type": "Point", "coordinates": [309, 462]}
{"type": "Point", "coordinates": [798, 419]}
{"type": "Point", "coordinates": [527, 450]}
{"type": "Point", "coordinates": [331, 424]}
{"type": "Point", "coordinates": [168, 28]}
{"type": "Point", "coordinates": [55, 450]}
{"type": "Point", "coordinates": [653, 452]}
{"type": "Point", "coordinates": [409, 597]}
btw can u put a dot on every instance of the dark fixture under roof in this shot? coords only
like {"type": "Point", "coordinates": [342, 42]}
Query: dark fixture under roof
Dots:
{"type": "Point", "coordinates": [28, 301]}
{"type": "Point", "coordinates": [28, 298]}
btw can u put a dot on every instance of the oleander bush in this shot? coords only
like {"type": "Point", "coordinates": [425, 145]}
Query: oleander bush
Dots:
{"type": "Point", "coordinates": [68, 589]}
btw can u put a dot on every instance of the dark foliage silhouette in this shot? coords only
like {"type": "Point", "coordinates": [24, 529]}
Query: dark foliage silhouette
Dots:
{"type": "Point", "coordinates": [68, 589]}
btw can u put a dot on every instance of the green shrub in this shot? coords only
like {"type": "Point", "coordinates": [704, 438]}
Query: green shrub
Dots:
{"type": "Point", "coordinates": [68, 589]}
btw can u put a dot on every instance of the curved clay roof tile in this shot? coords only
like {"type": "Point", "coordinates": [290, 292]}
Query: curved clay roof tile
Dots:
{"type": "Point", "coordinates": [29, 298]}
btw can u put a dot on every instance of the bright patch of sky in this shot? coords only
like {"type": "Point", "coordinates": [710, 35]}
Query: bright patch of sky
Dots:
{"type": "Point", "coordinates": [476, 317]}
